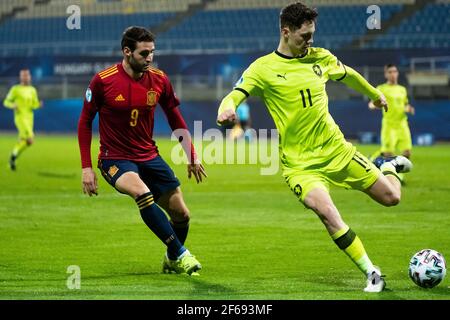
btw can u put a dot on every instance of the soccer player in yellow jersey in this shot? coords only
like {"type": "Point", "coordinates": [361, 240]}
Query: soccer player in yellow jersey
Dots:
{"type": "Point", "coordinates": [314, 154]}
{"type": "Point", "coordinates": [23, 99]}
{"type": "Point", "coordinates": [395, 133]}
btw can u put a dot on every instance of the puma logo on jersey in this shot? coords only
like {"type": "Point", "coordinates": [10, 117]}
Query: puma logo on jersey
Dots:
{"type": "Point", "coordinates": [282, 76]}
{"type": "Point", "coordinates": [120, 98]}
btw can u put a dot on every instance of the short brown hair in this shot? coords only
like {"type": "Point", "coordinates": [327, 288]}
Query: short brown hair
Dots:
{"type": "Point", "coordinates": [390, 65]}
{"type": "Point", "coordinates": [133, 35]}
{"type": "Point", "coordinates": [295, 14]}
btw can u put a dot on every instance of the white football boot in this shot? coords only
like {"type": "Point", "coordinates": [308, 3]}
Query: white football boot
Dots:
{"type": "Point", "coordinates": [401, 164]}
{"type": "Point", "coordinates": [375, 282]}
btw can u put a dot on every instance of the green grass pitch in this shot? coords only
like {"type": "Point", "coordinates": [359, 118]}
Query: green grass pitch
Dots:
{"type": "Point", "coordinates": [254, 239]}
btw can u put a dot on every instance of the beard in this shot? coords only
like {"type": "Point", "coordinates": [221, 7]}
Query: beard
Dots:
{"type": "Point", "coordinates": [136, 66]}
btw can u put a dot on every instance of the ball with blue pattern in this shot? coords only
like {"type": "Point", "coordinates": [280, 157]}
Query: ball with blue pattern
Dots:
{"type": "Point", "coordinates": [427, 268]}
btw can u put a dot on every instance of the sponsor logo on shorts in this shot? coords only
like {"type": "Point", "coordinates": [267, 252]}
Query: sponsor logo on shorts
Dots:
{"type": "Point", "coordinates": [298, 190]}
{"type": "Point", "coordinates": [113, 170]}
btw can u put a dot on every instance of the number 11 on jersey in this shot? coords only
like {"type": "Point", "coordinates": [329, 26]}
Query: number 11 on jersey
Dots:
{"type": "Point", "coordinates": [302, 93]}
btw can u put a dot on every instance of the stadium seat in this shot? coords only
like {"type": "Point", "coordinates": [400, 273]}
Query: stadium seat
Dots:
{"type": "Point", "coordinates": [243, 25]}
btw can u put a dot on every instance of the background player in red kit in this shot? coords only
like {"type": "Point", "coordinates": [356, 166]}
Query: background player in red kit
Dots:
{"type": "Point", "coordinates": [125, 96]}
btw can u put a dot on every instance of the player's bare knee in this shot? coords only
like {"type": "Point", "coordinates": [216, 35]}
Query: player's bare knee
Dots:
{"type": "Point", "coordinates": [137, 192]}
{"type": "Point", "coordinates": [180, 214]}
{"type": "Point", "coordinates": [319, 205]}
{"type": "Point", "coordinates": [391, 198]}
{"type": "Point", "coordinates": [313, 205]}
{"type": "Point", "coordinates": [176, 206]}
{"type": "Point", "coordinates": [395, 199]}
{"type": "Point", "coordinates": [186, 214]}
{"type": "Point", "coordinates": [328, 209]}
{"type": "Point", "coordinates": [183, 217]}
{"type": "Point", "coordinates": [29, 142]}
{"type": "Point", "coordinates": [326, 212]}
{"type": "Point", "coordinates": [130, 183]}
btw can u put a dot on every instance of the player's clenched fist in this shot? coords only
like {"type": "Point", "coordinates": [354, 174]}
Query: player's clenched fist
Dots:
{"type": "Point", "coordinates": [226, 117]}
{"type": "Point", "coordinates": [380, 103]}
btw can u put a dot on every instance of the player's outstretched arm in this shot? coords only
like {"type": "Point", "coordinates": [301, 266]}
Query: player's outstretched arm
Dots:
{"type": "Point", "coordinates": [176, 122]}
{"type": "Point", "coordinates": [227, 109]}
{"type": "Point", "coordinates": [357, 82]}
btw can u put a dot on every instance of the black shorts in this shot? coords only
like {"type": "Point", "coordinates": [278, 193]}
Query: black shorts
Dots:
{"type": "Point", "coordinates": [155, 173]}
{"type": "Point", "coordinates": [244, 124]}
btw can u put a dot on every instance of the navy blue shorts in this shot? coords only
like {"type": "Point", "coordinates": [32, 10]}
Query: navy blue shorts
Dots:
{"type": "Point", "coordinates": [155, 173]}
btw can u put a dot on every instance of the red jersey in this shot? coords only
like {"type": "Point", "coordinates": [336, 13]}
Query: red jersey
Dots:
{"type": "Point", "coordinates": [126, 109]}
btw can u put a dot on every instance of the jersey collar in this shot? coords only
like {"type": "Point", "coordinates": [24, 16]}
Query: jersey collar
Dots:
{"type": "Point", "coordinates": [287, 57]}
{"type": "Point", "coordinates": [122, 70]}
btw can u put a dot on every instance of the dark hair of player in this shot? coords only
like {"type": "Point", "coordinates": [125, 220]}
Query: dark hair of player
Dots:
{"type": "Point", "coordinates": [295, 14]}
{"type": "Point", "coordinates": [390, 65]}
{"type": "Point", "coordinates": [133, 35]}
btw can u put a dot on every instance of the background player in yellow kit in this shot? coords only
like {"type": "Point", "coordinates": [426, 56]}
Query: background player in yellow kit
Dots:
{"type": "Point", "coordinates": [314, 154]}
{"type": "Point", "coordinates": [395, 133]}
{"type": "Point", "coordinates": [23, 99]}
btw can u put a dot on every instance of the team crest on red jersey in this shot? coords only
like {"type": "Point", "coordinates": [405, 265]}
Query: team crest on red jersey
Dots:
{"type": "Point", "coordinates": [151, 97]}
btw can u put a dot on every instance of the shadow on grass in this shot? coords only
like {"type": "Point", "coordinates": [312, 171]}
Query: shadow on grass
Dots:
{"type": "Point", "coordinates": [56, 175]}
{"type": "Point", "coordinates": [7, 281]}
{"type": "Point", "coordinates": [342, 287]}
{"type": "Point", "coordinates": [203, 289]}
{"type": "Point", "coordinates": [389, 293]}
{"type": "Point", "coordinates": [439, 290]}
{"type": "Point", "coordinates": [128, 285]}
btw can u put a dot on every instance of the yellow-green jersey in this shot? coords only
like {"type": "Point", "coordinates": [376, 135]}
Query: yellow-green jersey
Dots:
{"type": "Point", "coordinates": [397, 98]}
{"type": "Point", "coordinates": [293, 89]}
{"type": "Point", "coordinates": [25, 98]}
{"type": "Point", "coordinates": [395, 133]}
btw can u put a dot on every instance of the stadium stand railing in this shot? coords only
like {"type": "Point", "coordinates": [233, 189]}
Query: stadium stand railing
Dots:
{"type": "Point", "coordinates": [224, 26]}
{"type": "Point", "coordinates": [429, 27]}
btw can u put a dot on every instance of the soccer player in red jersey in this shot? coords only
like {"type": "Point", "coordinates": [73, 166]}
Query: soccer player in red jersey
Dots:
{"type": "Point", "coordinates": [125, 96]}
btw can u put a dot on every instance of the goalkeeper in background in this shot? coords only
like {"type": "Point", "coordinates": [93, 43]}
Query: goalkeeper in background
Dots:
{"type": "Point", "coordinates": [395, 133]}
{"type": "Point", "coordinates": [23, 99]}
{"type": "Point", "coordinates": [243, 123]}
{"type": "Point", "coordinates": [314, 153]}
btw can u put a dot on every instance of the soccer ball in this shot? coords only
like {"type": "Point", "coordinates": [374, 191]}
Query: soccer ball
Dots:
{"type": "Point", "coordinates": [427, 268]}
